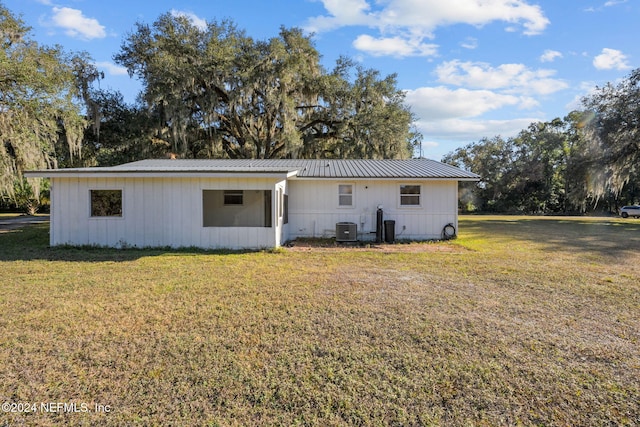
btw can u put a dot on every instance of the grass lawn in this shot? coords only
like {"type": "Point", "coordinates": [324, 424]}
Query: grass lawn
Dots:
{"type": "Point", "coordinates": [520, 321]}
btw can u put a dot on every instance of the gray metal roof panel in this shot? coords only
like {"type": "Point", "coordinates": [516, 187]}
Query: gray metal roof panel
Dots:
{"type": "Point", "coordinates": [414, 168]}
{"type": "Point", "coordinates": [315, 168]}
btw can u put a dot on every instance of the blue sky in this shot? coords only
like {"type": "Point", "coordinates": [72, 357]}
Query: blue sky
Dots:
{"type": "Point", "coordinates": [471, 68]}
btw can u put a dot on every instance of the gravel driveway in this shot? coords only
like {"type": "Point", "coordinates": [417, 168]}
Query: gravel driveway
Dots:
{"type": "Point", "coordinates": [21, 221]}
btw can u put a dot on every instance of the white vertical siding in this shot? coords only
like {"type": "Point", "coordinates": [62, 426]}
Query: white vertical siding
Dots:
{"type": "Point", "coordinates": [314, 209]}
{"type": "Point", "coordinates": [156, 212]}
{"type": "Point", "coordinates": [168, 211]}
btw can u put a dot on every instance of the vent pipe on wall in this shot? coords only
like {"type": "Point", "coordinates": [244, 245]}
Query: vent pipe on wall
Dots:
{"type": "Point", "coordinates": [379, 215]}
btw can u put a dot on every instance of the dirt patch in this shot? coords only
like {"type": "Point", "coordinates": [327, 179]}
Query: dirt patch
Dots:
{"type": "Point", "coordinates": [330, 245]}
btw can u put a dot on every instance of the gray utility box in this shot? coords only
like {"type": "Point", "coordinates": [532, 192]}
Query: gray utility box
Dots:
{"type": "Point", "coordinates": [346, 232]}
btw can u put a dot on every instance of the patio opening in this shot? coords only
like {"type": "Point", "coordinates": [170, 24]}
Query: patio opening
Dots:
{"type": "Point", "coordinates": [236, 208]}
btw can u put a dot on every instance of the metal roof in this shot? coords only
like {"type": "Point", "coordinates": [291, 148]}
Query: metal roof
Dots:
{"type": "Point", "coordinates": [303, 168]}
{"type": "Point", "coordinates": [414, 168]}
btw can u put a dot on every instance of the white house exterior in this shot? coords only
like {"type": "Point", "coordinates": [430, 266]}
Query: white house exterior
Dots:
{"type": "Point", "coordinates": [248, 204]}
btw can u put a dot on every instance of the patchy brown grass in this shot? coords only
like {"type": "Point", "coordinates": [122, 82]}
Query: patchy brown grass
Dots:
{"type": "Point", "coordinates": [330, 245]}
{"type": "Point", "coordinates": [520, 321]}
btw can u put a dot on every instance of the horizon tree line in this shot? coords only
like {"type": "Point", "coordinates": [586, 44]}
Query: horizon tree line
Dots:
{"type": "Point", "coordinates": [216, 92]}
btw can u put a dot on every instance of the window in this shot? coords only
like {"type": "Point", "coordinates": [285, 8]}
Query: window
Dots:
{"type": "Point", "coordinates": [279, 203]}
{"type": "Point", "coordinates": [282, 206]}
{"type": "Point", "coordinates": [105, 203]}
{"type": "Point", "coordinates": [345, 195]}
{"type": "Point", "coordinates": [233, 197]}
{"type": "Point", "coordinates": [285, 208]}
{"type": "Point", "coordinates": [238, 208]}
{"type": "Point", "coordinates": [409, 195]}
{"type": "Point", "coordinates": [266, 206]}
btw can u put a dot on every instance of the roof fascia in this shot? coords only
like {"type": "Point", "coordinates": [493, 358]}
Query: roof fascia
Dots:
{"type": "Point", "coordinates": [376, 178]}
{"type": "Point", "coordinates": [61, 173]}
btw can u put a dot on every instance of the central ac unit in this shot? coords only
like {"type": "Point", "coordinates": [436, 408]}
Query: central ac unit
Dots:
{"type": "Point", "coordinates": [346, 232]}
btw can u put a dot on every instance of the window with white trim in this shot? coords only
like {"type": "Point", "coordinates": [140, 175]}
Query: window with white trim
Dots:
{"type": "Point", "coordinates": [409, 195]}
{"type": "Point", "coordinates": [345, 195]}
{"type": "Point", "coordinates": [106, 203]}
{"type": "Point", "coordinates": [237, 208]}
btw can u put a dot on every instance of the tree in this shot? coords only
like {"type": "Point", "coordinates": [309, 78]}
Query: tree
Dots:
{"type": "Point", "coordinates": [493, 160]}
{"type": "Point", "coordinates": [37, 104]}
{"type": "Point", "coordinates": [538, 181]}
{"type": "Point", "coordinates": [614, 132]}
{"type": "Point", "coordinates": [124, 133]}
{"type": "Point", "coordinates": [526, 173]}
{"type": "Point", "coordinates": [218, 93]}
{"type": "Point", "coordinates": [363, 119]}
{"type": "Point", "coordinates": [588, 160]}
{"type": "Point", "coordinates": [580, 158]}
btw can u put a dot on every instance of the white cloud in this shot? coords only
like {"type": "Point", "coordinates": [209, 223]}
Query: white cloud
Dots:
{"type": "Point", "coordinates": [407, 23]}
{"type": "Point", "coordinates": [195, 19]}
{"type": "Point", "coordinates": [470, 43]}
{"type": "Point", "coordinates": [438, 103]}
{"type": "Point", "coordinates": [458, 114]}
{"type": "Point", "coordinates": [608, 3]}
{"type": "Point", "coordinates": [585, 89]}
{"type": "Point", "coordinates": [76, 24]}
{"type": "Point", "coordinates": [342, 13]}
{"type": "Point", "coordinates": [424, 16]}
{"type": "Point", "coordinates": [429, 144]}
{"type": "Point", "coordinates": [111, 68]}
{"type": "Point", "coordinates": [611, 59]}
{"type": "Point", "coordinates": [466, 130]}
{"type": "Point", "coordinates": [394, 46]}
{"type": "Point", "coordinates": [511, 78]}
{"type": "Point", "coordinates": [460, 110]}
{"type": "Point", "coordinates": [550, 55]}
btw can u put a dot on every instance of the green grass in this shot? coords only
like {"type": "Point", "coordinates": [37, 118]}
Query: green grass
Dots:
{"type": "Point", "coordinates": [520, 321]}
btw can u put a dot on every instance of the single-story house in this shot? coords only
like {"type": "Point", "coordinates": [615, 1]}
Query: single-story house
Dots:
{"type": "Point", "coordinates": [240, 204]}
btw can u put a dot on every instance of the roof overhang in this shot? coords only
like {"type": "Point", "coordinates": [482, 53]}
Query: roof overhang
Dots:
{"type": "Point", "coordinates": [173, 173]}
{"type": "Point", "coordinates": [269, 173]}
{"type": "Point", "coordinates": [312, 170]}
{"type": "Point", "coordinates": [385, 178]}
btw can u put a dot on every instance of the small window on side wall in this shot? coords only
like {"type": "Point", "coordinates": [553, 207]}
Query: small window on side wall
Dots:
{"type": "Point", "coordinates": [409, 195]}
{"type": "Point", "coordinates": [233, 197]}
{"type": "Point", "coordinates": [345, 195]}
{"type": "Point", "coordinates": [106, 203]}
